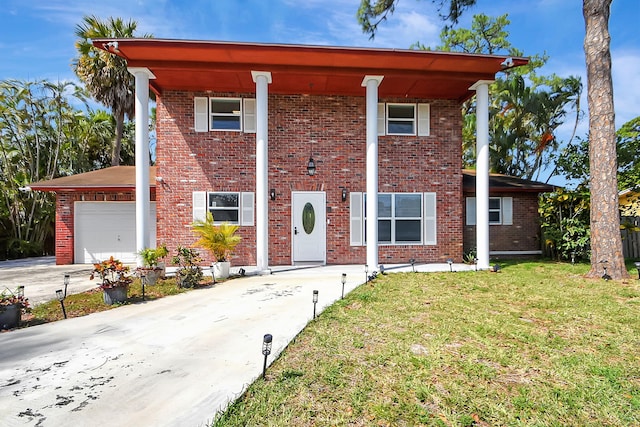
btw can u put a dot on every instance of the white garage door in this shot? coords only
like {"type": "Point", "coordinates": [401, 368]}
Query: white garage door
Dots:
{"type": "Point", "coordinates": [103, 229]}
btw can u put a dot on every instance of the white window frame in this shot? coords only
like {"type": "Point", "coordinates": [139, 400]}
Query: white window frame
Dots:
{"type": "Point", "coordinates": [237, 114]}
{"type": "Point", "coordinates": [505, 211]}
{"type": "Point", "coordinates": [245, 206]}
{"type": "Point", "coordinates": [202, 119]}
{"type": "Point", "coordinates": [391, 120]}
{"type": "Point", "coordinates": [422, 119]}
{"type": "Point", "coordinates": [428, 223]}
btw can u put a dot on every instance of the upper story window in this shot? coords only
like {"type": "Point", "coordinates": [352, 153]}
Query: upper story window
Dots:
{"type": "Point", "coordinates": [225, 114]}
{"type": "Point", "coordinates": [401, 119]}
{"type": "Point", "coordinates": [404, 119]}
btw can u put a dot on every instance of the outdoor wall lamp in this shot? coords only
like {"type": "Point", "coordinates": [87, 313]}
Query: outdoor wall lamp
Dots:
{"type": "Point", "coordinates": [266, 351]}
{"type": "Point", "coordinates": [311, 167]}
{"type": "Point", "coordinates": [66, 283]}
{"type": "Point", "coordinates": [60, 296]}
{"type": "Point", "coordinates": [344, 280]}
{"type": "Point", "coordinates": [344, 194]}
{"type": "Point", "coordinates": [272, 194]}
{"type": "Point", "coordinates": [315, 301]}
{"type": "Point", "coordinates": [450, 262]}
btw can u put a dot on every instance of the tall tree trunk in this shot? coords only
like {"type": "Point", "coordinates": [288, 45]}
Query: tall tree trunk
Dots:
{"type": "Point", "coordinates": [606, 241]}
{"type": "Point", "coordinates": [117, 144]}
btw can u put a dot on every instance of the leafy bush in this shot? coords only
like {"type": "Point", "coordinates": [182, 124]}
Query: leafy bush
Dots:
{"type": "Point", "coordinates": [189, 273]}
{"type": "Point", "coordinates": [564, 216]}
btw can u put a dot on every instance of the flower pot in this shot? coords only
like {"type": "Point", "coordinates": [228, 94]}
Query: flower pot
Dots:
{"type": "Point", "coordinates": [115, 295]}
{"type": "Point", "coordinates": [221, 269]}
{"type": "Point", "coordinates": [10, 316]}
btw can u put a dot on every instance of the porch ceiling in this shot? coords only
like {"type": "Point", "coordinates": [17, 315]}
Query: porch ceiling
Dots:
{"type": "Point", "coordinates": [296, 69]}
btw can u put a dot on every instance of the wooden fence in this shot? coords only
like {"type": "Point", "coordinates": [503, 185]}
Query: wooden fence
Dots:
{"type": "Point", "coordinates": [631, 238]}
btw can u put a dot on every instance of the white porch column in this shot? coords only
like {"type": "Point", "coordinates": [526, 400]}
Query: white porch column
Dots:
{"type": "Point", "coordinates": [372, 83]}
{"type": "Point", "coordinates": [142, 76]}
{"type": "Point", "coordinates": [262, 79]}
{"type": "Point", "coordinates": [482, 172]}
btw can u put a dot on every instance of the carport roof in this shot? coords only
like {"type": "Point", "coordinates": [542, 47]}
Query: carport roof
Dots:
{"type": "Point", "coordinates": [114, 178]}
{"type": "Point", "coordinates": [195, 65]}
{"type": "Point", "coordinates": [499, 183]}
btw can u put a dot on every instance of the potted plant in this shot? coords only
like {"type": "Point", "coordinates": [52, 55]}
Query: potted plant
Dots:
{"type": "Point", "coordinates": [152, 267]}
{"type": "Point", "coordinates": [221, 240]}
{"type": "Point", "coordinates": [189, 273]}
{"type": "Point", "coordinates": [115, 282]}
{"type": "Point", "coordinates": [12, 305]}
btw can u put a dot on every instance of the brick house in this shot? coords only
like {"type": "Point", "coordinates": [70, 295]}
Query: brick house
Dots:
{"type": "Point", "coordinates": [513, 215]}
{"type": "Point", "coordinates": [287, 141]}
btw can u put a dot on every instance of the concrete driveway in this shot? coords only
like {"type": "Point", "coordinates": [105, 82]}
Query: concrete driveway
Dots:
{"type": "Point", "coordinates": [41, 277]}
{"type": "Point", "coordinates": [170, 362]}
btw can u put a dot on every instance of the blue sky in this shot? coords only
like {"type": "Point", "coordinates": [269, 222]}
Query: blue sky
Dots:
{"type": "Point", "coordinates": [37, 36]}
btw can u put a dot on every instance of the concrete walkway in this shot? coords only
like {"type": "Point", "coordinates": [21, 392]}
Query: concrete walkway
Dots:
{"type": "Point", "coordinates": [170, 362]}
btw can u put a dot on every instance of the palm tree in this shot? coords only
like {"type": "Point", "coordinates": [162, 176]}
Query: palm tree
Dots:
{"type": "Point", "coordinates": [106, 75]}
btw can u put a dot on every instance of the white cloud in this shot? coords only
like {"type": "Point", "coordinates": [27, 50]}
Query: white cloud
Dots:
{"type": "Point", "coordinates": [626, 84]}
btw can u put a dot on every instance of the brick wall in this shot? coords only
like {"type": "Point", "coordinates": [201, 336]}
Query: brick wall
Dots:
{"type": "Point", "coordinates": [65, 232]}
{"type": "Point", "coordinates": [523, 235]}
{"type": "Point", "coordinates": [333, 131]}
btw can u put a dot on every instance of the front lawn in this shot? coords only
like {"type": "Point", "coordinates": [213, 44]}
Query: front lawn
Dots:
{"type": "Point", "coordinates": [533, 345]}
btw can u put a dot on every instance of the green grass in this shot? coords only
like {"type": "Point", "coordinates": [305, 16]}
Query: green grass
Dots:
{"type": "Point", "coordinates": [91, 301]}
{"type": "Point", "coordinates": [533, 345]}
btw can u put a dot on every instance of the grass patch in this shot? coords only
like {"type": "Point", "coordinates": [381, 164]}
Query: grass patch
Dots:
{"type": "Point", "coordinates": [533, 345]}
{"type": "Point", "coordinates": [91, 301]}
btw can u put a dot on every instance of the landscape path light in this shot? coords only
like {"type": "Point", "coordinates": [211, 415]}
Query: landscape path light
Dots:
{"type": "Point", "coordinates": [60, 296]}
{"type": "Point", "coordinates": [143, 282]}
{"type": "Point", "coordinates": [315, 301]}
{"type": "Point", "coordinates": [605, 275]}
{"type": "Point", "coordinates": [637, 264]}
{"type": "Point", "coordinates": [413, 262]}
{"type": "Point", "coordinates": [66, 283]}
{"type": "Point", "coordinates": [266, 351]}
{"type": "Point", "coordinates": [450, 262]}
{"type": "Point", "coordinates": [20, 291]}
{"type": "Point", "coordinates": [366, 273]}
{"type": "Point", "coordinates": [213, 274]}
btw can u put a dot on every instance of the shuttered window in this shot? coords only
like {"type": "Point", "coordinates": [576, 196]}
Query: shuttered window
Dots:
{"type": "Point", "coordinates": [500, 211]}
{"type": "Point", "coordinates": [403, 218]}
{"type": "Point", "coordinates": [232, 207]}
